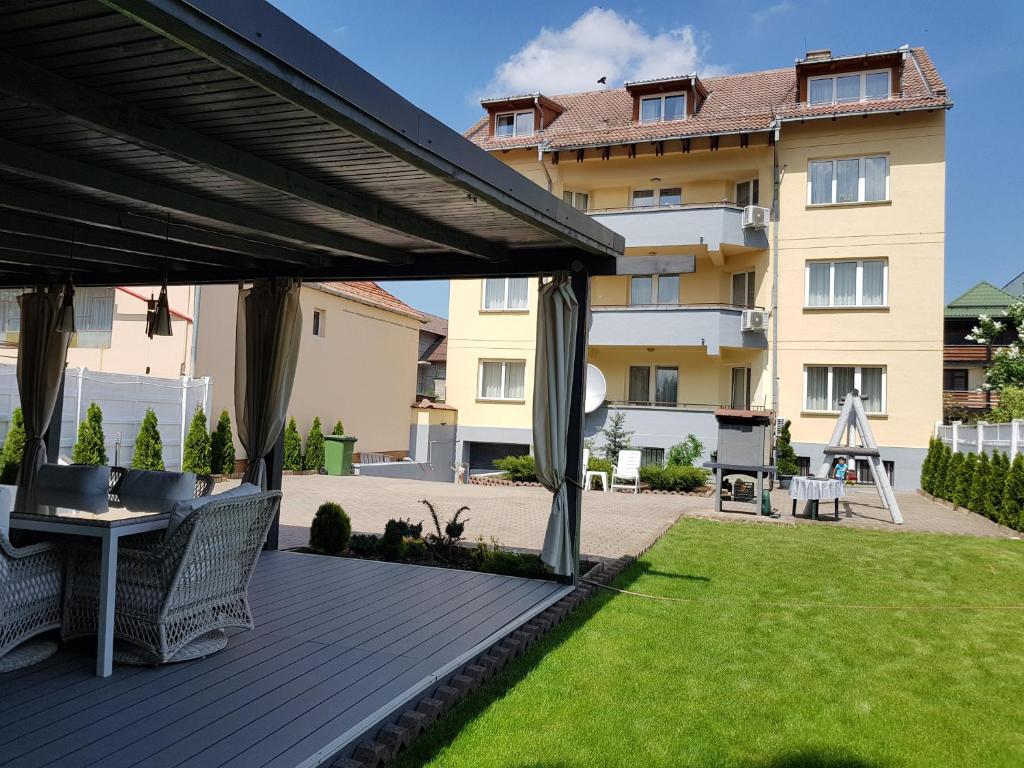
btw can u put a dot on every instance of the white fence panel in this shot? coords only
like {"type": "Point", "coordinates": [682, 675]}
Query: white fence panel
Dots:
{"type": "Point", "coordinates": [1007, 437]}
{"type": "Point", "coordinates": [124, 400]}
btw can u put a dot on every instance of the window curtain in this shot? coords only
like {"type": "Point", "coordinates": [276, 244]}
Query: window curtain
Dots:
{"type": "Point", "coordinates": [494, 293]}
{"type": "Point", "coordinates": [817, 388]}
{"type": "Point", "coordinates": [846, 283]}
{"type": "Point", "coordinates": [42, 354]}
{"type": "Point", "coordinates": [666, 386]}
{"type": "Point", "coordinates": [842, 385]}
{"type": "Point", "coordinates": [268, 332]}
{"type": "Point", "coordinates": [875, 169]}
{"type": "Point", "coordinates": [821, 182]}
{"type": "Point", "coordinates": [557, 313]}
{"type": "Point", "coordinates": [847, 180]}
{"type": "Point", "coordinates": [871, 388]}
{"type": "Point", "coordinates": [490, 380]}
{"type": "Point", "coordinates": [874, 283]}
{"type": "Point", "coordinates": [639, 384]}
{"type": "Point", "coordinates": [518, 289]}
{"type": "Point", "coordinates": [515, 380]}
{"type": "Point", "coordinates": [818, 279]}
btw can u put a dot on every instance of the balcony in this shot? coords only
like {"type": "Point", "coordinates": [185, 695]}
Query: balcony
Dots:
{"type": "Point", "coordinates": [712, 326]}
{"type": "Point", "coordinates": [970, 399]}
{"type": "Point", "coordinates": [967, 353]}
{"type": "Point", "coordinates": [709, 224]}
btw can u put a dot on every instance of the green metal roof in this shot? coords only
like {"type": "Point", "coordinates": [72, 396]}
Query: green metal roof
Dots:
{"type": "Point", "coordinates": [983, 299]}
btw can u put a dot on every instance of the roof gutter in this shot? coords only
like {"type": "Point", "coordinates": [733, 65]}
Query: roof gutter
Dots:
{"type": "Point", "coordinates": [863, 113]}
{"type": "Point", "coordinates": [596, 145]}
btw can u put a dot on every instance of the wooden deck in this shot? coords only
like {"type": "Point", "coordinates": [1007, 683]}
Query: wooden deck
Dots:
{"type": "Point", "coordinates": [339, 647]}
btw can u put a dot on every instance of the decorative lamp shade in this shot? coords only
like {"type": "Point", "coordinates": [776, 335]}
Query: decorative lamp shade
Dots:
{"type": "Point", "coordinates": [158, 316]}
{"type": "Point", "coordinates": [66, 314]}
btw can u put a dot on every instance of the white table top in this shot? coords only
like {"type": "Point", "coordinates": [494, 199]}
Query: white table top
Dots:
{"type": "Point", "coordinates": [811, 488]}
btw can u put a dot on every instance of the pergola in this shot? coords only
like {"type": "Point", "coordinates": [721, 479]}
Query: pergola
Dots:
{"type": "Point", "coordinates": [144, 141]}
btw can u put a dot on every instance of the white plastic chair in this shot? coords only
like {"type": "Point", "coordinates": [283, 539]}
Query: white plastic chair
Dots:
{"type": "Point", "coordinates": [589, 475]}
{"type": "Point", "coordinates": [627, 468]}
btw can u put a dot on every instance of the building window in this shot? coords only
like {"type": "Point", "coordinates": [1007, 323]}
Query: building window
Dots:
{"type": "Point", "coordinates": [647, 198]}
{"type": "Point", "coordinates": [506, 294]}
{"type": "Point", "coordinates": [747, 192]}
{"type": "Point", "coordinates": [502, 380]}
{"type": "Point", "coordinates": [740, 390]}
{"type": "Point", "coordinates": [652, 457]}
{"type": "Point", "coordinates": [825, 386]}
{"type": "Point", "coordinates": [954, 379]}
{"type": "Point", "coordinates": [511, 124]}
{"type": "Point", "coordinates": [843, 89]}
{"type": "Point", "coordinates": [320, 322]}
{"type": "Point", "coordinates": [654, 109]}
{"type": "Point", "coordinates": [645, 290]}
{"type": "Point", "coordinates": [848, 180]}
{"type": "Point", "coordinates": [860, 283]}
{"type": "Point", "coordinates": [743, 289]}
{"type": "Point", "coordinates": [657, 384]}
{"type": "Point", "coordinates": [579, 200]}
{"type": "Point", "coordinates": [94, 317]}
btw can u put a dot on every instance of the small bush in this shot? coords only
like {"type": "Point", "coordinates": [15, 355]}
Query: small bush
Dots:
{"type": "Point", "coordinates": [965, 480]}
{"type": "Point", "coordinates": [452, 530]}
{"type": "Point", "coordinates": [292, 447]}
{"type": "Point", "coordinates": [339, 428]}
{"type": "Point", "coordinates": [979, 485]}
{"type": "Point", "coordinates": [331, 530]}
{"type": "Point", "coordinates": [90, 447]}
{"type": "Point", "coordinates": [491, 558]}
{"type": "Point", "coordinates": [928, 466]}
{"type": "Point", "coordinates": [392, 543]}
{"type": "Point", "coordinates": [415, 549]}
{"type": "Point", "coordinates": [197, 445]}
{"type": "Point", "coordinates": [600, 465]}
{"type": "Point", "coordinates": [314, 458]}
{"type": "Point", "coordinates": [685, 453]}
{"type": "Point", "coordinates": [149, 451]}
{"type": "Point", "coordinates": [222, 446]}
{"type": "Point", "coordinates": [953, 471]}
{"type": "Point", "coordinates": [673, 478]}
{"type": "Point", "coordinates": [1011, 405]}
{"type": "Point", "coordinates": [14, 448]}
{"type": "Point", "coordinates": [616, 436]}
{"type": "Point", "coordinates": [364, 544]}
{"type": "Point", "coordinates": [785, 456]}
{"type": "Point", "coordinates": [1013, 495]}
{"type": "Point", "coordinates": [940, 470]}
{"type": "Point", "coordinates": [998, 468]}
{"type": "Point", "coordinates": [519, 469]}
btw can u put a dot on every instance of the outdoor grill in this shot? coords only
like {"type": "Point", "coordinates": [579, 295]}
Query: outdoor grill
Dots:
{"type": "Point", "coordinates": [745, 442]}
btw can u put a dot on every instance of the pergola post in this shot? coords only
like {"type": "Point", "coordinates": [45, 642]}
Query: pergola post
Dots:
{"type": "Point", "coordinates": [275, 472]}
{"type": "Point", "coordinates": [574, 469]}
{"type": "Point", "coordinates": [52, 436]}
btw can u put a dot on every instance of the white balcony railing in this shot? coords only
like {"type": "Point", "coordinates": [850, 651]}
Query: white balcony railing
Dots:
{"type": "Point", "coordinates": [709, 224]}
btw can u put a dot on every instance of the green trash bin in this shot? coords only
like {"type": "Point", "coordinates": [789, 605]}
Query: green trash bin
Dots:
{"type": "Point", "coordinates": [338, 454]}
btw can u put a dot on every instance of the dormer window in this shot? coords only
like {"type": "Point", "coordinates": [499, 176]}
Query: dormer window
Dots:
{"type": "Point", "coordinates": [849, 87]}
{"type": "Point", "coordinates": [509, 124]}
{"type": "Point", "coordinates": [656, 109]}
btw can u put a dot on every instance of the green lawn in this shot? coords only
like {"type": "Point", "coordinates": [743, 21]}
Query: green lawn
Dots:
{"type": "Point", "coordinates": [806, 646]}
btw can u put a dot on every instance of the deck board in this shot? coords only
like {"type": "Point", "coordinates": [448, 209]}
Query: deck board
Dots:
{"type": "Point", "coordinates": [338, 645]}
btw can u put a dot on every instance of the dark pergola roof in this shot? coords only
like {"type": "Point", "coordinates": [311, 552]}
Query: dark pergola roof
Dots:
{"type": "Point", "coordinates": [217, 141]}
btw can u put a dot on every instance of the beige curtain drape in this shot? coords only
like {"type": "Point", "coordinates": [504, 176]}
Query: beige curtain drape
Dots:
{"type": "Point", "coordinates": [267, 334]}
{"type": "Point", "coordinates": [557, 310]}
{"type": "Point", "coordinates": [42, 354]}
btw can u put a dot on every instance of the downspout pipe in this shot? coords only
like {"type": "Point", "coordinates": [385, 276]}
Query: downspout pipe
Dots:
{"type": "Point", "coordinates": [541, 146]}
{"type": "Point", "coordinates": [776, 187]}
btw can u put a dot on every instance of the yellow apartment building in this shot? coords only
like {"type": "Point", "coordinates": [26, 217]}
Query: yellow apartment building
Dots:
{"type": "Point", "coordinates": [786, 229]}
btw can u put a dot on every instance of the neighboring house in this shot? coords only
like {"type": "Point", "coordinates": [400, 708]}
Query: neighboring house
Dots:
{"type": "Point", "coordinates": [683, 167]}
{"type": "Point", "coordinates": [357, 360]}
{"type": "Point", "coordinates": [111, 331]}
{"type": "Point", "coordinates": [433, 355]}
{"type": "Point", "coordinates": [965, 361]}
{"type": "Point", "coordinates": [1016, 286]}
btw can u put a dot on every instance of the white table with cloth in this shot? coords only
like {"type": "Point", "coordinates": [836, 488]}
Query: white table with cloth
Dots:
{"type": "Point", "coordinates": [812, 490]}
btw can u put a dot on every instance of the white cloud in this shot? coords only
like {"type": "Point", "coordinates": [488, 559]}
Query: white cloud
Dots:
{"type": "Point", "coordinates": [600, 43]}
{"type": "Point", "coordinates": [776, 9]}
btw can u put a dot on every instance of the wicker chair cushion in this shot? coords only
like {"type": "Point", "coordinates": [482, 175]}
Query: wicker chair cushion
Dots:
{"type": "Point", "coordinates": [74, 478]}
{"type": "Point", "coordinates": [155, 484]}
{"type": "Point", "coordinates": [185, 508]}
{"type": "Point", "coordinates": [6, 504]}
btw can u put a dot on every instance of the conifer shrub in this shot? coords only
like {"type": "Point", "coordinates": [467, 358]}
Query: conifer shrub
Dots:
{"type": "Point", "coordinates": [331, 531]}
{"type": "Point", "coordinates": [940, 471]}
{"type": "Point", "coordinates": [14, 448]}
{"type": "Point", "coordinates": [979, 485]}
{"type": "Point", "coordinates": [785, 456]}
{"type": "Point", "coordinates": [339, 428]}
{"type": "Point", "coordinates": [292, 447]}
{"type": "Point", "coordinates": [928, 466]}
{"type": "Point", "coordinates": [1012, 513]}
{"type": "Point", "coordinates": [999, 464]}
{"type": "Point", "coordinates": [222, 446]}
{"type": "Point", "coordinates": [965, 480]}
{"type": "Point", "coordinates": [196, 456]}
{"type": "Point", "coordinates": [952, 481]}
{"type": "Point", "coordinates": [90, 447]}
{"type": "Point", "coordinates": [149, 451]}
{"type": "Point", "coordinates": [314, 458]}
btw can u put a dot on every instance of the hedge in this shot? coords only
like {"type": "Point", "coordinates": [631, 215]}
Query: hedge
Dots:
{"type": "Point", "coordinates": [673, 478]}
{"type": "Point", "coordinates": [988, 485]}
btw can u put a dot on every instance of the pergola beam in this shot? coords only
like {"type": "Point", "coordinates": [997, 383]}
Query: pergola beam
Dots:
{"type": "Point", "coordinates": [37, 164]}
{"type": "Point", "coordinates": [112, 117]}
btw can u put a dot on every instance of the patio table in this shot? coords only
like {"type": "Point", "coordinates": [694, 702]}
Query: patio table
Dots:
{"type": "Point", "coordinates": [99, 516]}
{"type": "Point", "coordinates": [812, 490]}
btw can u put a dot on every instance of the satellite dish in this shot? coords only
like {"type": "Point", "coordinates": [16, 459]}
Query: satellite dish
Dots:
{"type": "Point", "coordinates": [596, 389]}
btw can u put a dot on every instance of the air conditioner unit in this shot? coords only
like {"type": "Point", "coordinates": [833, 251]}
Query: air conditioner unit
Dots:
{"type": "Point", "coordinates": [755, 217]}
{"type": "Point", "coordinates": [755, 320]}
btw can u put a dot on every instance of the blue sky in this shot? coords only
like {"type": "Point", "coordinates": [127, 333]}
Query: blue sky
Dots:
{"type": "Point", "coordinates": [444, 56]}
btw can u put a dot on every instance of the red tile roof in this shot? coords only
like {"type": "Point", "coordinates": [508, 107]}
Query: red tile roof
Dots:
{"type": "Point", "coordinates": [740, 103]}
{"type": "Point", "coordinates": [439, 327]}
{"type": "Point", "coordinates": [368, 292]}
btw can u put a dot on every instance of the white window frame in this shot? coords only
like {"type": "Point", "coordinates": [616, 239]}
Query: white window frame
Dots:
{"type": "Point", "coordinates": [660, 97]}
{"type": "Point", "coordinates": [861, 185]}
{"type": "Point", "coordinates": [859, 302]}
{"type": "Point", "coordinates": [749, 287]}
{"type": "Point", "coordinates": [504, 304]}
{"type": "Point", "coordinates": [857, 369]}
{"type": "Point", "coordinates": [863, 86]}
{"type": "Point", "coordinates": [504, 380]}
{"type": "Point", "coordinates": [515, 123]}
{"type": "Point", "coordinates": [750, 183]}
{"type": "Point", "coordinates": [319, 327]}
{"type": "Point", "coordinates": [573, 197]}
{"type": "Point", "coordinates": [657, 196]}
{"type": "Point", "coordinates": [748, 384]}
{"type": "Point", "coordinates": [652, 383]}
{"type": "Point", "coordinates": [655, 279]}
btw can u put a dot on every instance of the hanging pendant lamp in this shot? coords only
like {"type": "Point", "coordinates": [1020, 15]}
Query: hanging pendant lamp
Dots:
{"type": "Point", "coordinates": [158, 314]}
{"type": "Point", "coordinates": [65, 322]}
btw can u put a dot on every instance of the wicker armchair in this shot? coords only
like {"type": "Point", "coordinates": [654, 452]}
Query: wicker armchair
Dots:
{"type": "Point", "coordinates": [31, 582]}
{"type": "Point", "coordinates": [175, 597]}
{"type": "Point", "coordinates": [204, 486]}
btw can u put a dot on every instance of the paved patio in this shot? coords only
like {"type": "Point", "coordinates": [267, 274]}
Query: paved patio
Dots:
{"type": "Point", "coordinates": [613, 524]}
